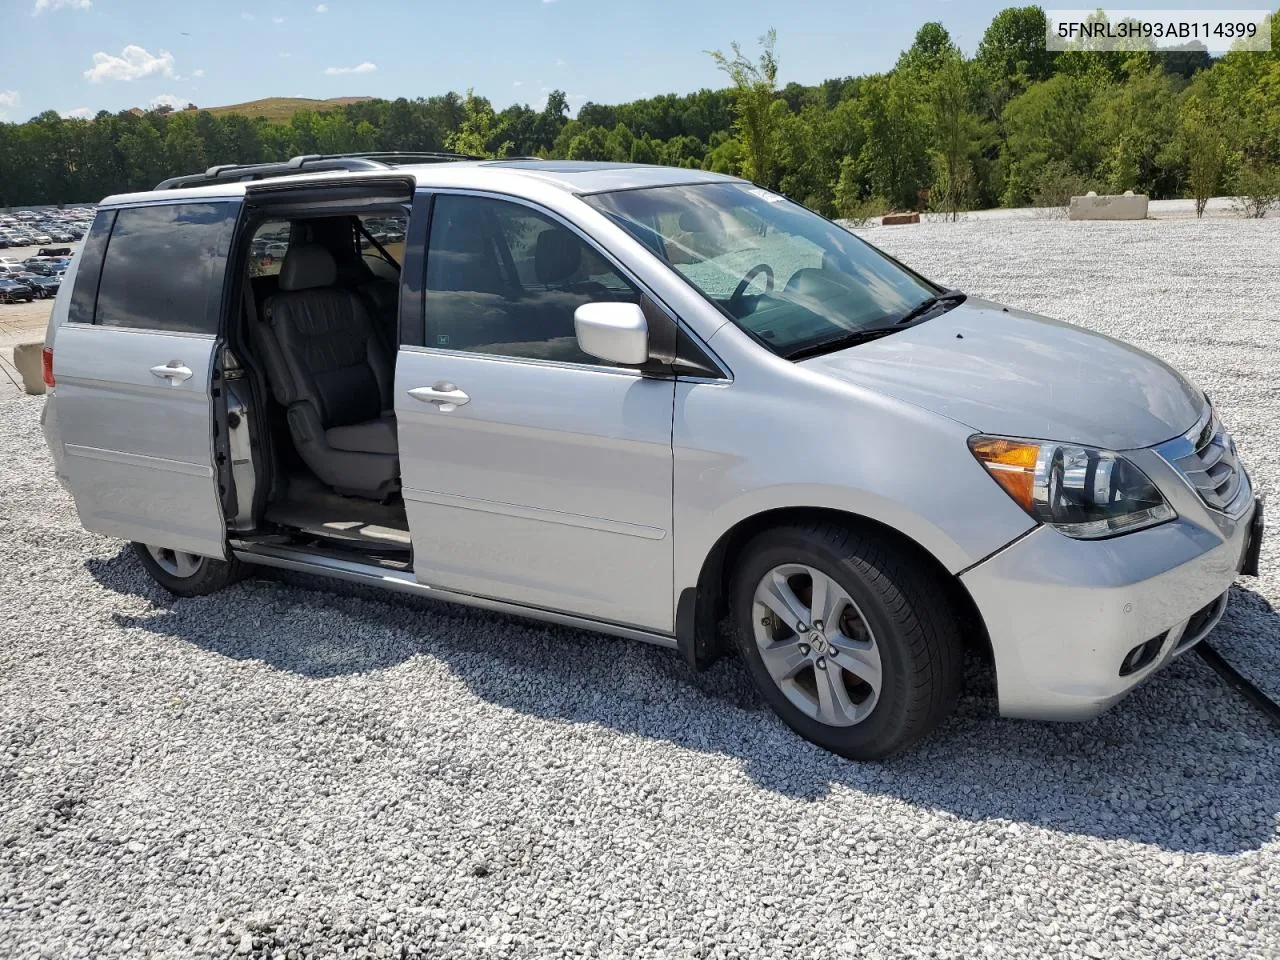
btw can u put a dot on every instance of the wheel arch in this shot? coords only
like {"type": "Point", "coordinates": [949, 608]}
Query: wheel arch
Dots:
{"type": "Point", "coordinates": [700, 609]}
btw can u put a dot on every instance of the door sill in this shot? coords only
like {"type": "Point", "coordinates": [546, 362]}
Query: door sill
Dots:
{"type": "Point", "coordinates": [403, 581]}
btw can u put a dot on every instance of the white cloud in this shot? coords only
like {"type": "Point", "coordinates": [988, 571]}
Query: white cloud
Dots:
{"type": "Point", "coordinates": [79, 113]}
{"type": "Point", "coordinates": [277, 19]}
{"type": "Point", "coordinates": [518, 83]}
{"type": "Point", "coordinates": [365, 67]}
{"type": "Point", "coordinates": [197, 74]}
{"type": "Point", "coordinates": [133, 62]}
{"type": "Point", "coordinates": [246, 16]}
{"type": "Point", "coordinates": [322, 8]}
{"type": "Point", "coordinates": [559, 63]}
{"type": "Point", "coordinates": [43, 5]}
{"type": "Point", "coordinates": [285, 56]}
{"type": "Point", "coordinates": [9, 100]}
{"type": "Point", "coordinates": [167, 100]}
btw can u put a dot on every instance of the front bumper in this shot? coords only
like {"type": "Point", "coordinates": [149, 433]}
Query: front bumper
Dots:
{"type": "Point", "coordinates": [1064, 614]}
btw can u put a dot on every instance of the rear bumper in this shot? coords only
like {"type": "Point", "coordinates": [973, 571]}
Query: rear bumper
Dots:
{"type": "Point", "coordinates": [49, 426]}
{"type": "Point", "coordinates": [1064, 614]}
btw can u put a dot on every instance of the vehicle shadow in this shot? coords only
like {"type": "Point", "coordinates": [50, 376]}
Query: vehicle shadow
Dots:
{"type": "Point", "coordinates": [1176, 765]}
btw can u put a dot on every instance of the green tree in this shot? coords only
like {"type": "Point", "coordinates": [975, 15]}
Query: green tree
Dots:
{"type": "Point", "coordinates": [1052, 121]}
{"type": "Point", "coordinates": [184, 149]}
{"type": "Point", "coordinates": [643, 150]}
{"type": "Point", "coordinates": [753, 87]}
{"type": "Point", "coordinates": [1136, 126]}
{"type": "Point", "coordinates": [143, 152]}
{"type": "Point", "coordinates": [550, 122]}
{"type": "Point", "coordinates": [957, 135]}
{"type": "Point", "coordinates": [479, 134]}
{"type": "Point", "coordinates": [590, 144]}
{"type": "Point", "coordinates": [726, 156]}
{"type": "Point", "coordinates": [619, 143]}
{"type": "Point", "coordinates": [1012, 51]}
{"type": "Point", "coordinates": [931, 48]}
{"type": "Point", "coordinates": [1203, 148]}
{"type": "Point", "coordinates": [895, 154]}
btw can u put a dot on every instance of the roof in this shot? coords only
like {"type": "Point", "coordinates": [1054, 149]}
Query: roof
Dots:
{"type": "Point", "coordinates": [572, 176]}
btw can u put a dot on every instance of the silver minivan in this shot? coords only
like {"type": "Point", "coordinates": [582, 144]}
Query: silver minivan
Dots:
{"type": "Point", "coordinates": [642, 401]}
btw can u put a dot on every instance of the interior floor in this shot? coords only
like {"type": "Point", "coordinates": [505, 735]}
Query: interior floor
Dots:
{"type": "Point", "coordinates": [310, 507]}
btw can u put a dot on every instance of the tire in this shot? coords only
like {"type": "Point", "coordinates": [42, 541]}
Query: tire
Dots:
{"type": "Point", "coordinates": [895, 637]}
{"type": "Point", "coordinates": [186, 574]}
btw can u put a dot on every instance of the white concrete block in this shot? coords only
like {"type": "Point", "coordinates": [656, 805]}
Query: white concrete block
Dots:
{"type": "Point", "coordinates": [26, 357]}
{"type": "Point", "coordinates": [1113, 207]}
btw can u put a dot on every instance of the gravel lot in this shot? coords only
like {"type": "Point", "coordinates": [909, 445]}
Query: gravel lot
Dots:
{"type": "Point", "coordinates": [290, 770]}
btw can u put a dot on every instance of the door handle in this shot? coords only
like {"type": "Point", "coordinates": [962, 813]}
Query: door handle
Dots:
{"type": "Point", "coordinates": [446, 395]}
{"type": "Point", "coordinates": [174, 371]}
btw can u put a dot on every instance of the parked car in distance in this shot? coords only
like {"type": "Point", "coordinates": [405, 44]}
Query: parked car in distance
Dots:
{"type": "Point", "coordinates": [13, 291]}
{"type": "Point", "coordinates": [43, 287]}
{"type": "Point", "coordinates": [641, 401]}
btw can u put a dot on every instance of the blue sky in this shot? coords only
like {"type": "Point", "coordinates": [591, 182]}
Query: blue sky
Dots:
{"type": "Point", "coordinates": [87, 55]}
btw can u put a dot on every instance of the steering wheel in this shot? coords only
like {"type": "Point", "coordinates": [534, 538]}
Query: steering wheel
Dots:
{"type": "Point", "coordinates": [735, 301]}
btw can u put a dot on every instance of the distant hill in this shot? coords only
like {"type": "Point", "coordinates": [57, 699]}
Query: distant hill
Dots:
{"type": "Point", "coordinates": [282, 108]}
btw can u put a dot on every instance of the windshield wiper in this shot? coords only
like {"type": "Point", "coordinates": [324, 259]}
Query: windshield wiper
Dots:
{"type": "Point", "coordinates": [851, 339]}
{"type": "Point", "coordinates": [949, 298]}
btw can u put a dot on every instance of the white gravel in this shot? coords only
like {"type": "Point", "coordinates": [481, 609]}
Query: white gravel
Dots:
{"type": "Point", "coordinates": [287, 770]}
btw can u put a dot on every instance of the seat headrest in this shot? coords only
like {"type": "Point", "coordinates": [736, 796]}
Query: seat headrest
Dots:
{"type": "Point", "coordinates": [557, 257]}
{"type": "Point", "coordinates": [307, 266]}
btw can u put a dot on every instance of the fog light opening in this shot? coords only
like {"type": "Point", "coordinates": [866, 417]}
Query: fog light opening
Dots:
{"type": "Point", "coordinates": [1142, 655]}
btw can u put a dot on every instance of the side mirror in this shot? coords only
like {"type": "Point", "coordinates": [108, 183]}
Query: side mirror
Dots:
{"type": "Point", "coordinates": [616, 332]}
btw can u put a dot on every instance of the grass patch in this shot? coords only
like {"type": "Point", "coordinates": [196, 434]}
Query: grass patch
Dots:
{"type": "Point", "coordinates": [282, 109]}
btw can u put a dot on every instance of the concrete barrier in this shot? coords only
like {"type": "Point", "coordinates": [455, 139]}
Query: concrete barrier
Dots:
{"type": "Point", "coordinates": [1130, 206]}
{"type": "Point", "coordinates": [26, 357]}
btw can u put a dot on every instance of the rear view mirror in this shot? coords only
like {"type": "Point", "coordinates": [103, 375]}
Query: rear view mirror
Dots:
{"type": "Point", "coordinates": [616, 332]}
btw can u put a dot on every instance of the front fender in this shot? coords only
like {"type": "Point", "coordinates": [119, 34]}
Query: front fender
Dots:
{"type": "Point", "coordinates": [741, 450]}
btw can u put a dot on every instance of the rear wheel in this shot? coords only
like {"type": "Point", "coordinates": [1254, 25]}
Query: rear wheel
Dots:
{"type": "Point", "coordinates": [188, 574]}
{"type": "Point", "coordinates": [848, 637]}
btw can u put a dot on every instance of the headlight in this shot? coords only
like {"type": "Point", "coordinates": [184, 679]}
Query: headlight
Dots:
{"type": "Point", "coordinates": [1082, 492]}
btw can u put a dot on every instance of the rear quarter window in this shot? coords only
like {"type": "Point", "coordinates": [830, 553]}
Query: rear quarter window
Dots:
{"type": "Point", "coordinates": [164, 267]}
{"type": "Point", "coordinates": [85, 295]}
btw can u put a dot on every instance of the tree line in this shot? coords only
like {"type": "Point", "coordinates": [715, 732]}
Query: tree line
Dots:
{"type": "Point", "coordinates": [1014, 124]}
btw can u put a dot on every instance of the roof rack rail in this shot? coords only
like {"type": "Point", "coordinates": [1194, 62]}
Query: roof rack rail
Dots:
{"type": "Point", "coordinates": [309, 163]}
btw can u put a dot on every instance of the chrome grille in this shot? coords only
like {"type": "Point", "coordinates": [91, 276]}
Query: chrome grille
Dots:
{"type": "Point", "coordinates": [1206, 456]}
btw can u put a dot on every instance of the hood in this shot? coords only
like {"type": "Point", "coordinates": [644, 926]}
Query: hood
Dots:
{"type": "Point", "coordinates": [1007, 372]}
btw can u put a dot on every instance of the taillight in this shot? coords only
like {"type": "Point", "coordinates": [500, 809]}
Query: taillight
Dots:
{"type": "Point", "coordinates": [46, 366]}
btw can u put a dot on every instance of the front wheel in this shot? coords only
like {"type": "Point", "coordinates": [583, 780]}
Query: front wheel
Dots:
{"type": "Point", "coordinates": [188, 574]}
{"type": "Point", "coordinates": [848, 637]}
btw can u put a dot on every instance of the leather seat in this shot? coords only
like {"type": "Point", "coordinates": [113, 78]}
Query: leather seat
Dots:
{"type": "Point", "coordinates": [330, 368]}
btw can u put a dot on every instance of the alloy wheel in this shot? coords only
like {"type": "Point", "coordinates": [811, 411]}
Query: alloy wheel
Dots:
{"type": "Point", "coordinates": [175, 562]}
{"type": "Point", "coordinates": [816, 645]}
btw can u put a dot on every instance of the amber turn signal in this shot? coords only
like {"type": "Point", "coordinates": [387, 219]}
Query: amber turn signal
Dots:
{"type": "Point", "coordinates": [1012, 464]}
